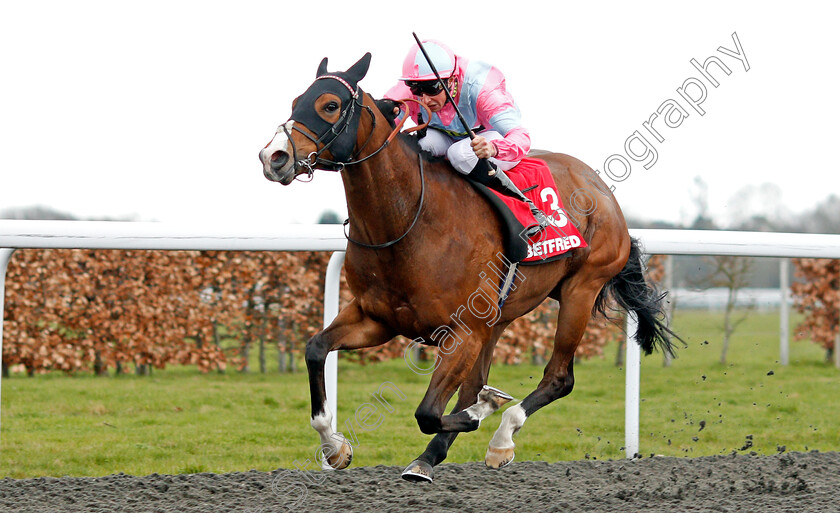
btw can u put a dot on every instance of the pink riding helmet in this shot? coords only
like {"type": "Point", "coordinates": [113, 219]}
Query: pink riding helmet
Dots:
{"type": "Point", "coordinates": [416, 68]}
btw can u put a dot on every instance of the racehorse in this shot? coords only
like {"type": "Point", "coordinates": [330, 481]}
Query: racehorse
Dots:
{"type": "Point", "coordinates": [419, 238]}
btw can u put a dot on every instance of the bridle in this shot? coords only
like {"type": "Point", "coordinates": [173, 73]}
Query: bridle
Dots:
{"type": "Point", "coordinates": [326, 139]}
{"type": "Point", "coordinates": [316, 160]}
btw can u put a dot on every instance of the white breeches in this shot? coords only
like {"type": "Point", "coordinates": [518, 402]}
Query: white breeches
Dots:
{"type": "Point", "coordinates": [459, 151]}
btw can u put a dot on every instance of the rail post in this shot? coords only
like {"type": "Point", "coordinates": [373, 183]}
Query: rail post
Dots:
{"type": "Point", "coordinates": [784, 315]}
{"type": "Point", "coordinates": [331, 300]}
{"type": "Point", "coordinates": [632, 378]}
{"type": "Point", "coordinates": [5, 256]}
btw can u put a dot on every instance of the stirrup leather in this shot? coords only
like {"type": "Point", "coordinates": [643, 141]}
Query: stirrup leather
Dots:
{"type": "Point", "coordinates": [502, 183]}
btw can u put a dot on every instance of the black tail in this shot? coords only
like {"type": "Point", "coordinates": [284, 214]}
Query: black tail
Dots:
{"type": "Point", "coordinates": [634, 294]}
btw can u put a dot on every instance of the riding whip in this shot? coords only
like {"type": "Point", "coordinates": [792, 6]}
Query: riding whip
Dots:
{"type": "Point", "coordinates": [489, 168]}
{"type": "Point", "coordinates": [446, 89]}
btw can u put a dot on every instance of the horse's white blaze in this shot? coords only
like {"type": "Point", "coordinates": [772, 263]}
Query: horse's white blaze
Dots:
{"type": "Point", "coordinates": [280, 142]}
{"type": "Point", "coordinates": [512, 420]}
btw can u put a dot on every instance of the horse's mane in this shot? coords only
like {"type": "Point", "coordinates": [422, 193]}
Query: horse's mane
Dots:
{"type": "Point", "coordinates": [386, 107]}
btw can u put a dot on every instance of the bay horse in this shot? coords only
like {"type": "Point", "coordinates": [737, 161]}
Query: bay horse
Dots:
{"type": "Point", "coordinates": [419, 237]}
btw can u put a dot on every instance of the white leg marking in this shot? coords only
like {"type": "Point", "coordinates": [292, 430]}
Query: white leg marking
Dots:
{"type": "Point", "coordinates": [480, 410]}
{"type": "Point", "coordinates": [490, 399]}
{"type": "Point", "coordinates": [512, 420]}
{"type": "Point", "coordinates": [329, 439]}
{"type": "Point", "coordinates": [323, 425]}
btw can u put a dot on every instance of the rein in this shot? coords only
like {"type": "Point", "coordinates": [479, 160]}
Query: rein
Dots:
{"type": "Point", "coordinates": [391, 137]}
{"type": "Point", "coordinates": [344, 119]}
{"type": "Point", "coordinates": [411, 227]}
{"type": "Point", "coordinates": [310, 165]}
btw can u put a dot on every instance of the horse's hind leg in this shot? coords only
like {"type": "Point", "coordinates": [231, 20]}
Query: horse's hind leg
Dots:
{"type": "Point", "coordinates": [452, 368]}
{"type": "Point", "coordinates": [558, 378]}
{"type": "Point", "coordinates": [421, 468]}
{"type": "Point", "coordinates": [351, 329]}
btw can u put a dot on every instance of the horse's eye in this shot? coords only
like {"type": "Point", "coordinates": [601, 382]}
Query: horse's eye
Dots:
{"type": "Point", "coordinates": [331, 107]}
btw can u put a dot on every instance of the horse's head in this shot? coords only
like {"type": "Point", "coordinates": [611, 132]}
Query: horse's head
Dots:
{"type": "Point", "coordinates": [323, 127]}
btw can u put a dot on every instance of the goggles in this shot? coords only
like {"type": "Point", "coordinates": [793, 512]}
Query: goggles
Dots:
{"type": "Point", "coordinates": [427, 87]}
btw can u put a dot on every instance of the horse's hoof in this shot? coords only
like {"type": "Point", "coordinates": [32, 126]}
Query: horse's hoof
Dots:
{"type": "Point", "coordinates": [418, 470]}
{"type": "Point", "coordinates": [497, 457]}
{"type": "Point", "coordinates": [494, 396]}
{"type": "Point", "coordinates": [340, 460]}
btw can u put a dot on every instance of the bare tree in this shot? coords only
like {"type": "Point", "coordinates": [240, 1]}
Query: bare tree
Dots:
{"type": "Point", "coordinates": [732, 273]}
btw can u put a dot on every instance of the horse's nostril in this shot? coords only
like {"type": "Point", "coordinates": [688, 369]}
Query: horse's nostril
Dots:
{"type": "Point", "coordinates": [279, 159]}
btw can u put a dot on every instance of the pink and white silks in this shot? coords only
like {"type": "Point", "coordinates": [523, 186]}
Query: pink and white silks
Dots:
{"type": "Point", "coordinates": [483, 101]}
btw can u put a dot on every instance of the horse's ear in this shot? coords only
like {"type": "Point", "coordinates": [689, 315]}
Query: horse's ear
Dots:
{"type": "Point", "coordinates": [360, 69]}
{"type": "Point", "coordinates": [322, 68]}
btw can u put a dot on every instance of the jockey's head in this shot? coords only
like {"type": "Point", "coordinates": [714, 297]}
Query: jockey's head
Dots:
{"type": "Point", "coordinates": [420, 78]}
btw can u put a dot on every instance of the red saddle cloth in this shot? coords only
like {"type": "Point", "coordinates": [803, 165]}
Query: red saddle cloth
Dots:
{"type": "Point", "coordinates": [533, 177]}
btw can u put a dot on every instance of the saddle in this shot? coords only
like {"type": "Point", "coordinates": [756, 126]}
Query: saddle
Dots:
{"type": "Point", "coordinates": [533, 177]}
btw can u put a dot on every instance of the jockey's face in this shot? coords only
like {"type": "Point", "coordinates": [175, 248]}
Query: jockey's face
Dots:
{"type": "Point", "coordinates": [435, 102]}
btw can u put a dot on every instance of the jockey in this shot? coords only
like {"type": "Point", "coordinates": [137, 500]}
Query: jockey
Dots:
{"type": "Point", "coordinates": [479, 91]}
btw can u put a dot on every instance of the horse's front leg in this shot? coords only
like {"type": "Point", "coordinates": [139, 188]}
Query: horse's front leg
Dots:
{"type": "Point", "coordinates": [351, 329]}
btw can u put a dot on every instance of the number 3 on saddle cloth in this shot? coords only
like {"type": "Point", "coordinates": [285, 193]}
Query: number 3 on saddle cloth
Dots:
{"type": "Point", "coordinates": [534, 179]}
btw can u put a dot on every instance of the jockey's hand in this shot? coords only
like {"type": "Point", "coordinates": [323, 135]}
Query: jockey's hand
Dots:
{"type": "Point", "coordinates": [483, 148]}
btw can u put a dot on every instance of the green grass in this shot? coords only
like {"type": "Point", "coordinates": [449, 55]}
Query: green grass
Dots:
{"type": "Point", "coordinates": [179, 421]}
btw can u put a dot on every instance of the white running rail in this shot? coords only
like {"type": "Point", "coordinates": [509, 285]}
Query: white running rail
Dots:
{"type": "Point", "coordinates": [15, 234]}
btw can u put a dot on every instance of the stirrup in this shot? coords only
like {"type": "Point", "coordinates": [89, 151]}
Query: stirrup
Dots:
{"type": "Point", "coordinates": [501, 182]}
{"type": "Point", "coordinates": [543, 221]}
{"type": "Point", "coordinates": [532, 231]}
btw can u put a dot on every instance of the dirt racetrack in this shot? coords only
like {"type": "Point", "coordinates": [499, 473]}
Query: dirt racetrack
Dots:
{"type": "Point", "coordinates": [795, 482]}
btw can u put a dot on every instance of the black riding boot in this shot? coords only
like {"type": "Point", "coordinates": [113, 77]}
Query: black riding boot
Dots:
{"type": "Point", "coordinates": [501, 182]}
